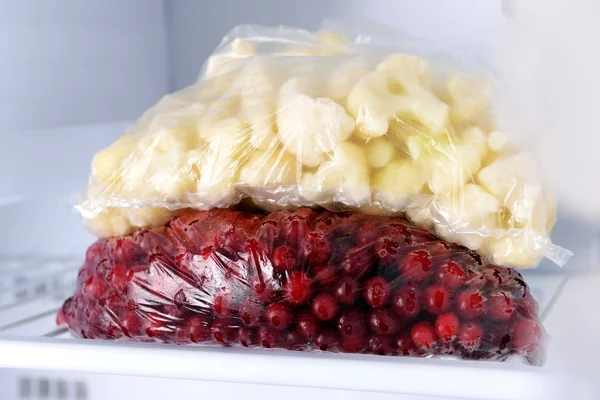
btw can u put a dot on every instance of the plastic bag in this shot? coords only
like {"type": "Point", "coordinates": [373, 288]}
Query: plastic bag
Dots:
{"type": "Point", "coordinates": [305, 280]}
{"type": "Point", "coordinates": [290, 118]}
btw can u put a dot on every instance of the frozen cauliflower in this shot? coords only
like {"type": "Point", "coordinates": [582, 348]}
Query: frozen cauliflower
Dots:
{"type": "Point", "coordinates": [308, 127]}
{"type": "Point", "coordinates": [290, 119]}
{"type": "Point", "coordinates": [345, 178]}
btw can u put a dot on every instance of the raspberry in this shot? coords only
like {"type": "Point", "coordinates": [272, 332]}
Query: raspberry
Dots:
{"type": "Point", "coordinates": [377, 292]}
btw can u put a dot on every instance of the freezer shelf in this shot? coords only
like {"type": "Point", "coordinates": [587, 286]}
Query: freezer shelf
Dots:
{"type": "Point", "coordinates": [29, 340]}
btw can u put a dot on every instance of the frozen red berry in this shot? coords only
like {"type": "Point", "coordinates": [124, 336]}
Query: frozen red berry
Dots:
{"type": "Point", "coordinates": [470, 334]}
{"type": "Point", "coordinates": [316, 249]}
{"type": "Point", "coordinates": [292, 340]}
{"type": "Point", "coordinates": [423, 335]}
{"type": "Point", "coordinates": [327, 339]}
{"type": "Point", "coordinates": [383, 321]}
{"type": "Point", "coordinates": [351, 323]}
{"type": "Point", "coordinates": [306, 324]}
{"type": "Point", "coordinates": [264, 288]}
{"type": "Point", "coordinates": [470, 303]}
{"type": "Point", "coordinates": [354, 344]}
{"type": "Point", "coordinates": [451, 275]}
{"type": "Point", "coordinates": [131, 325]}
{"type": "Point", "coordinates": [284, 258]}
{"type": "Point", "coordinates": [416, 267]}
{"type": "Point", "coordinates": [501, 306]}
{"type": "Point", "coordinates": [404, 344]}
{"type": "Point", "coordinates": [297, 288]}
{"type": "Point", "coordinates": [221, 331]}
{"type": "Point", "coordinates": [447, 326]}
{"type": "Point", "coordinates": [346, 290]}
{"type": "Point", "coordinates": [268, 337]}
{"type": "Point", "coordinates": [198, 329]}
{"type": "Point", "coordinates": [377, 292]}
{"type": "Point", "coordinates": [250, 312]}
{"type": "Point", "coordinates": [437, 299]}
{"type": "Point", "coordinates": [526, 335]}
{"type": "Point", "coordinates": [279, 315]}
{"type": "Point", "coordinates": [324, 307]}
{"type": "Point", "coordinates": [381, 345]}
{"type": "Point", "coordinates": [245, 336]}
{"type": "Point", "coordinates": [222, 303]}
{"type": "Point", "coordinates": [323, 273]}
{"type": "Point", "coordinates": [407, 303]}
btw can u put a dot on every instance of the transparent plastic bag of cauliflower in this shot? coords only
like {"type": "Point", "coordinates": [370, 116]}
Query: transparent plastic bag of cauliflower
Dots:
{"type": "Point", "coordinates": [345, 119]}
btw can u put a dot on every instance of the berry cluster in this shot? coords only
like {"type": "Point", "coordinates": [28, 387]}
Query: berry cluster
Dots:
{"type": "Point", "coordinates": [303, 280]}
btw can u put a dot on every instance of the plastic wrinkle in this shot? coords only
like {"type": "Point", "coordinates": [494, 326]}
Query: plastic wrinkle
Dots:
{"type": "Point", "coordinates": [303, 280]}
{"type": "Point", "coordinates": [351, 117]}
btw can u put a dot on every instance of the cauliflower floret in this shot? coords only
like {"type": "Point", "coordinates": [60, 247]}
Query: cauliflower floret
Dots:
{"type": "Point", "coordinates": [448, 166]}
{"type": "Point", "coordinates": [520, 249]}
{"type": "Point", "coordinates": [500, 177]}
{"type": "Point", "coordinates": [343, 179]}
{"type": "Point", "coordinates": [497, 141]}
{"type": "Point", "coordinates": [463, 215]}
{"type": "Point", "coordinates": [373, 103]}
{"type": "Point", "coordinates": [258, 95]}
{"type": "Point", "coordinates": [380, 152]}
{"type": "Point", "coordinates": [106, 165]}
{"type": "Point", "coordinates": [469, 97]}
{"type": "Point", "coordinates": [393, 185]}
{"type": "Point", "coordinates": [406, 73]}
{"type": "Point", "coordinates": [344, 78]}
{"type": "Point", "coordinates": [218, 166]}
{"type": "Point", "coordinates": [272, 167]}
{"type": "Point", "coordinates": [309, 127]}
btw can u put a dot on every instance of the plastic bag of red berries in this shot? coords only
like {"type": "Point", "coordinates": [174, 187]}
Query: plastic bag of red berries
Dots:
{"type": "Point", "coordinates": [304, 280]}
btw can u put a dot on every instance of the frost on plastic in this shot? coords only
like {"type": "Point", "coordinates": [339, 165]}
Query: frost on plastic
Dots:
{"type": "Point", "coordinates": [290, 118]}
{"type": "Point", "coordinates": [305, 280]}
